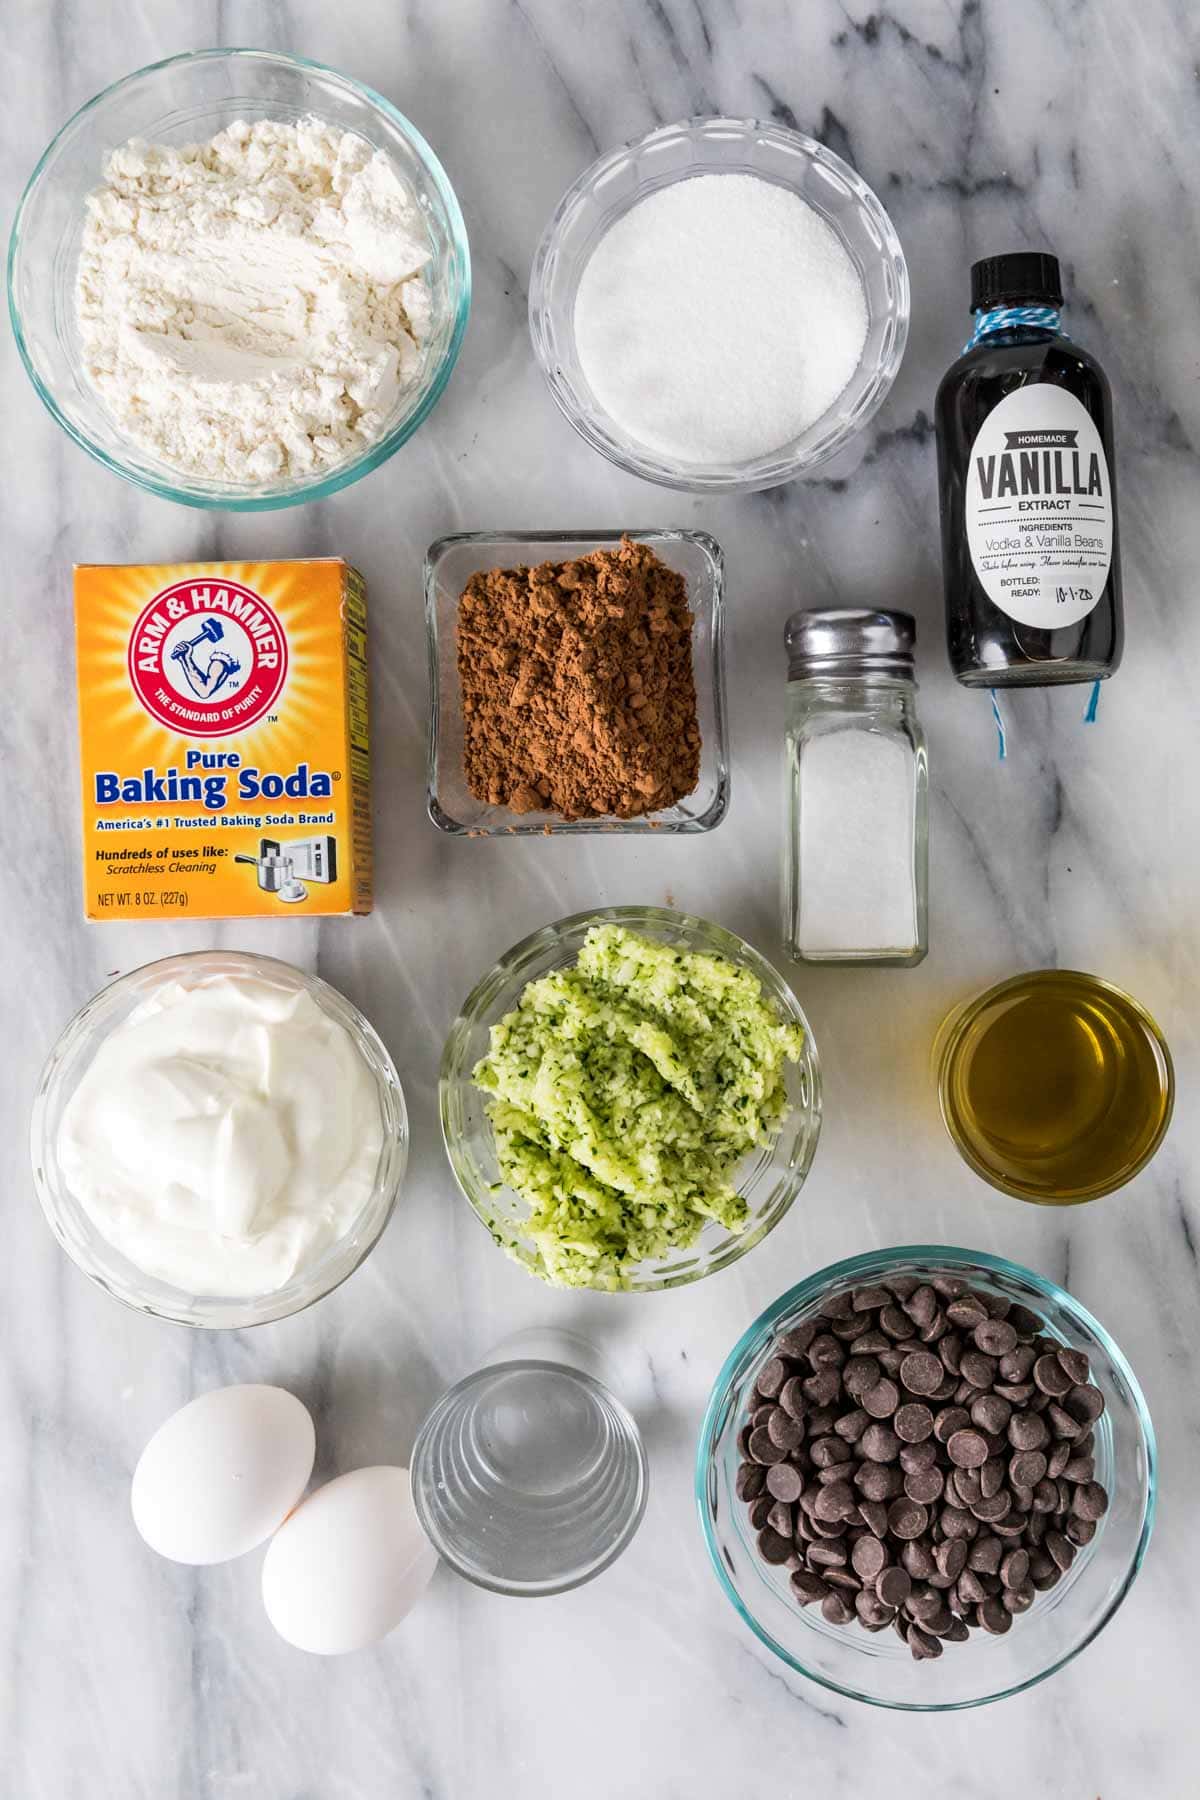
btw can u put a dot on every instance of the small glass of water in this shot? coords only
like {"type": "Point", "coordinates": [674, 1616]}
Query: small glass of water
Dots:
{"type": "Point", "coordinates": [529, 1475]}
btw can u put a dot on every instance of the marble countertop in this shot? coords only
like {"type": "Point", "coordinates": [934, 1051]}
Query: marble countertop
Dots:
{"type": "Point", "coordinates": [983, 126]}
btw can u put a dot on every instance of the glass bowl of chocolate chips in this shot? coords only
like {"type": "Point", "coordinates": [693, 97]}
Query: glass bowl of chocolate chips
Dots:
{"type": "Point", "coordinates": [926, 1478]}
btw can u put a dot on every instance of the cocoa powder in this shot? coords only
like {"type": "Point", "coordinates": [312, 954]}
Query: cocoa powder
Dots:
{"type": "Point", "coordinates": [578, 696]}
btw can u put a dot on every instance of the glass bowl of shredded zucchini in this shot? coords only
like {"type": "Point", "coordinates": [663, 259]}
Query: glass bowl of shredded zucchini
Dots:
{"type": "Point", "coordinates": [630, 1099]}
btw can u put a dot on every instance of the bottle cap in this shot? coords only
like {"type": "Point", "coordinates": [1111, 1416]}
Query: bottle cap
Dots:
{"type": "Point", "coordinates": [1030, 277]}
{"type": "Point", "coordinates": [850, 641]}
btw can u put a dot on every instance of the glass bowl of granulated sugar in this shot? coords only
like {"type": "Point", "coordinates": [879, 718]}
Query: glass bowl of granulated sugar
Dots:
{"type": "Point", "coordinates": [720, 306]}
{"type": "Point", "coordinates": [239, 279]}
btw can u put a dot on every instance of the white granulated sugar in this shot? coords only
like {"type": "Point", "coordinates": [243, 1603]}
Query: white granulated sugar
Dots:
{"type": "Point", "coordinates": [251, 308]}
{"type": "Point", "coordinates": [719, 318]}
{"type": "Point", "coordinates": [856, 844]}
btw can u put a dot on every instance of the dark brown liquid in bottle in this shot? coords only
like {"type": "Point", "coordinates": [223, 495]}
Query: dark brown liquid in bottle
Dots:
{"type": "Point", "coordinates": [987, 647]}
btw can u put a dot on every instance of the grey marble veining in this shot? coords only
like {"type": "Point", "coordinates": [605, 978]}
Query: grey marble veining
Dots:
{"type": "Point", "coordinates": [983, 126]}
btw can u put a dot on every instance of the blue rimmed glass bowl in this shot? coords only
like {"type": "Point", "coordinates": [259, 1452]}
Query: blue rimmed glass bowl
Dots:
{"type": "Point", "coordinates": [187, 99]}
{"type": "Point", "coordinates": [878, 1668]}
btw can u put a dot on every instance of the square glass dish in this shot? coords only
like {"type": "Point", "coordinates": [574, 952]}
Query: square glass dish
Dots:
{"type": "Point", "coordinates": [449, 564]}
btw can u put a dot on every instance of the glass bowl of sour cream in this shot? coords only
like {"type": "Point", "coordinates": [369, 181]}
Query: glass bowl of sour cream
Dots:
{"type": "Point", "coordinates": [218, 1139]}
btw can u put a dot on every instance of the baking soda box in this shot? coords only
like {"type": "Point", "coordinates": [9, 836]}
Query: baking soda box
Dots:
{"type": "Point", "coordinates": [223, 739]}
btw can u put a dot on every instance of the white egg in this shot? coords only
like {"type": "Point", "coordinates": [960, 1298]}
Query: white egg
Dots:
{"type": "Point", "coordinates": [349, 1564]}
{"type": "Point", "coordinates": [222, 1473]}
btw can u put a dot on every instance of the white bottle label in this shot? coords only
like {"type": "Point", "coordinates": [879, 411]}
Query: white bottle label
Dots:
{"type": "Point", "coordinates": [1039, 508]}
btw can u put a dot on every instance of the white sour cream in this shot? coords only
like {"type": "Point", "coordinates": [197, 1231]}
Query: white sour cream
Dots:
{"type": "Point", "coordinates": [224, 1135]}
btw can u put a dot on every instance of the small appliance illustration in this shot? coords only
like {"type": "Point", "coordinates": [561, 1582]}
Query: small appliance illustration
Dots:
{"type": "Point", "coordinates": [280, 865]}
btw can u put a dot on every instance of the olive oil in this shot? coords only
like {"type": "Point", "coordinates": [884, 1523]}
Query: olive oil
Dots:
{"type": "Point", "coordinates": [1055, 1086]}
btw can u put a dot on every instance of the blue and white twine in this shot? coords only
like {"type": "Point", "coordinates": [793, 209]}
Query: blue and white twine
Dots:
{"type": "Point", "coordinates": [1012, 318]}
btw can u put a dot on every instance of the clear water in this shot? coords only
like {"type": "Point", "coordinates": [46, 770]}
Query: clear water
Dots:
{"type": "Point", "coordinates": [529, 1477]}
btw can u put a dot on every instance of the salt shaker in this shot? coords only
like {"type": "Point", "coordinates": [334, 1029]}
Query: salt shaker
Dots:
{"type": "Point", "coordinates": [857, 852]}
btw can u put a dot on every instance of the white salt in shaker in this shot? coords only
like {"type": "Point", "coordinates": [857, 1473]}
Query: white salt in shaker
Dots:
{"type": "Point", "coordinates": [857, 853]}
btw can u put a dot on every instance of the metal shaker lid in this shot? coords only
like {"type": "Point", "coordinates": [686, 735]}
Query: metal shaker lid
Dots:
{"type": "Point", "coordinates": [844, 640]}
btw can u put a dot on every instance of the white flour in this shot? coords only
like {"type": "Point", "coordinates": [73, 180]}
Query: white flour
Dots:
{"type": "Point", "coordinates": [250, 308]}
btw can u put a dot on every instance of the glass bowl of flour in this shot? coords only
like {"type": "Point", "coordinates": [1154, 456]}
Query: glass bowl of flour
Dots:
{"type": "Point", "coordinates": [239, 279]}
{"type": "Point", "coordinates": [720, 306]}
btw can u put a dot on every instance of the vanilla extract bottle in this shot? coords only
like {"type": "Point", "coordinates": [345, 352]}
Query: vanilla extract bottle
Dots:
{"type": "Point", "coordinates": [1030, 548]}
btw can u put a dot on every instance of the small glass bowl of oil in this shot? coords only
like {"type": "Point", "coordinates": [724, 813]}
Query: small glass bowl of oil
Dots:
{"type": "Point", "coordinates": [1055, 1086]}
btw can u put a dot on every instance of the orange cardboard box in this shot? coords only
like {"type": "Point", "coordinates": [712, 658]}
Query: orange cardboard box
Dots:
{"type": "Point", "coordinates": [223, 739]}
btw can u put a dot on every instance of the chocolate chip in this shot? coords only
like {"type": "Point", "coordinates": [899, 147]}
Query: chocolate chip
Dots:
{"type": "Point", "coordinates": [871, 1343]}
{"type": "Point", "coordinates": [907, 1518]}
{"type": "Point", "coordinates": [925, 1486]}
{"type": "Point", "coordinates": [851, 1425]}
{"type": "Point", "coordinates": [869, 1558]}
{"type": "Point", "coordinates": [794, 1343]}
{"type": "Point", "coordinates": [917, 1456]}
{"type": "Point", "coordinates": [869, 1299]}
{"type": "Point", "coordinates": [948, 1421]}
{"type": "Point", "coordinates": [965, 1487]}
{"type": "Point", "coordinates": [763, 1447]}
{"type": "Point", "coordinates": [951, 1558]}
{"type": "Point", "coordinates": [1062, 1424]}
{"type": "Point", "coordinates": [990, 1412]}
{"type": "Point", "coordinates": [1027, 1467]}
{"type": "Point", "coordinates": [791, 1398]}
{"type": "Point", "coordinates": [1018, 1600]}
{"type": "Point", "coordinates": [808, 1587]}
{"type": "Point", "coordinates": [834, 1502]}
{"type": "Point", "coordinates": [1081, 1531]}
{"type": "Point", "coordinates": [1061, 1549]}
{"type": "Point", "coordinates": [985, 1555]}
{"type": "Point", "coordinates": [1090, 1502]}
{"type": "Point", "coordinates": [836, 1609]}
{"type": "Point", "coordinates": [773, 1547]}
{"type": "Point", "coordinates": [923, 1646]}
{"type": "Point", "coordinates": [783, 1430]}
{"type": "Point", "coordinates": [1027, 1431]}
{"type": "Point", "coordinates": [1076, 1364]}
{"type": "Point", "coordinates": [1084, 1403]}
{"type": "Point", "coordinates": [913, 1422]}
{"type": "Point", "coordinates": [1050, 1376]}
{"type": "Point", "coordinates": [995, 1337]}
{"type": "Point", "coordinates": [994, 1617]}
{"type": "Point", "coordinates": [827, 1556]}
{"type": "Point", "coordinates": [878, 1481]}
{"type": "Point", "coordinates": [895, 1323]}
{"type": "Point", "coordinates": [921, 1305]}
{"type": "Point", "coordinates": [771, 1377]}
{"type": "Point", "coordinates": [1014, 1569]}
{"type": "Point", "coordinates": [917, 1559]}
{"type": "Point", "coordinates": [893, 1586]}
{"type": "Point", "coordinates": [978, 1369]}
{"type": "Point", "coordinates": [882, 1400]}
{"type": "Point", "coordinates": [921, 1372]}
{"type": "Point", "coordinates": [784, 1482]}
{"type": "Point", "coordinates": [967, 1449]}
{"type": "Point", "coordinates": [860, 1374]}
{"type": "Point", "coordinates": [969, 1311]}
{"type": "Point", "coordinates": [992, 1507]}
{"type": "Point", "coordinates": [837, 1306]}
{"type": "Point", "coordinates": [749, 1483]}
{"type": "Point", "coordinates": [822, 1388]}
{"type": "Point", "coordinates": [956, 1522]}
{"type": "Point", "coordinates": [880, 1444]}
{"type": "Point", "coordinates": [874, 1516]}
